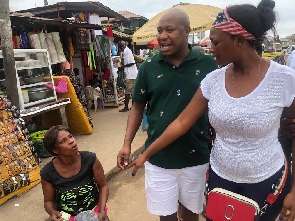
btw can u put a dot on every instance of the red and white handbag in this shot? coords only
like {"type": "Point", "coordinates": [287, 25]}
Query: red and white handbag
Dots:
{"type": "Point", "coordinates": [224, 205]}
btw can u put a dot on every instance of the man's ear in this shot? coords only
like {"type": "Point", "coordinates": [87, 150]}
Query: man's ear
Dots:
{"type": "Point", "coordinates": [240, 41]}
{"type": "Point", "coordinates": [187, 30]}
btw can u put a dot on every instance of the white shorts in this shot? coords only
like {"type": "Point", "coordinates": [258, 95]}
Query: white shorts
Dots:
{"type": "Point", "coordinates": [165, 187]}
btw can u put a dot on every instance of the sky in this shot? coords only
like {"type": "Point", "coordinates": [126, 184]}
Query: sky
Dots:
{"type": "Point", "coordinates": [148, 8]}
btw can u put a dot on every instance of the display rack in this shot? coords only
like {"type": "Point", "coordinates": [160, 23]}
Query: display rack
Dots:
{"type": "Point", "coordinates": [116, 97]}
{"type": "Point", "coordinates": [33, 65]}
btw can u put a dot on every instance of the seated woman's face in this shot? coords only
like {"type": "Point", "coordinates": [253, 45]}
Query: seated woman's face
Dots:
{"type": "Point", "coordinates": [66, 144]}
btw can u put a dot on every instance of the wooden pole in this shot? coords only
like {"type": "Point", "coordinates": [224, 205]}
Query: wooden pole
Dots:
{"type": "Point", "coordinates": [8, 54]}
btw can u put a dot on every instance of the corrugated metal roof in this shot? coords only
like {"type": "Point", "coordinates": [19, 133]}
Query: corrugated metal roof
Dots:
{"type": "Point", "coordinates": [67, 9]}
{"type": "Point", "coordinates": [128, 14]}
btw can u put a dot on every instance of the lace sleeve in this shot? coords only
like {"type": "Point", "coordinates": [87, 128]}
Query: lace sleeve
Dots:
{"type": "Point", "coordinates": [206, 87]}
{"type": "Point", "coordinates": [289, 89]}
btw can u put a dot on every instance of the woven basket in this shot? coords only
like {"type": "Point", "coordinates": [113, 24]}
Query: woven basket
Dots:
{"type": "Point", "coordinates": [37, 139]}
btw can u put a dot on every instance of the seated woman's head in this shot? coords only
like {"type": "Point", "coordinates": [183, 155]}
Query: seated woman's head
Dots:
{"type": "Point", "coordinates": [59, 139]}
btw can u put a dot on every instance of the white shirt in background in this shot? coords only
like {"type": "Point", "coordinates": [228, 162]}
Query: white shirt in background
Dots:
{"type": "Point", "coordinates": [131, 72]}
{"type": "Point", "coordinates": [291, 60]}
{"type": "Point", "coordinates": [95, 20]}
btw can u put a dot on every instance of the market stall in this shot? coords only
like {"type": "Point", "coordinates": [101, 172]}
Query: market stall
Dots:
{"type": "Point", "coordinates": [19, 169]}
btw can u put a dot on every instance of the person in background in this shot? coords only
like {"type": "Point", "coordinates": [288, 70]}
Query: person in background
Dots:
{"type": "Point", "coordinates": [166, 83]}
{"type": "Point", "coordinates": [291, 60]}
{"type": "Point", "coordinates": [285, 140]}
{"type": "Point", "coordinates": [73, 181]}
{"type": "Point", "coordinates": [130, 70]}
{"type": "Point", "coordinates": [114, 49]}
{"type": "Point", "coordinates": [245, 100]}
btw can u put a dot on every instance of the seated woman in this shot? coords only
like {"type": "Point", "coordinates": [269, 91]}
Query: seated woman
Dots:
{"type": "Point", "coordinates": [74, 180]}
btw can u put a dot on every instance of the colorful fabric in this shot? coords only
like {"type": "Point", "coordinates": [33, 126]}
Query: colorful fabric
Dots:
{"type": "Point", "coordinates": [225, 23]}
{"type": "Point", "coordinates": [51, 42]}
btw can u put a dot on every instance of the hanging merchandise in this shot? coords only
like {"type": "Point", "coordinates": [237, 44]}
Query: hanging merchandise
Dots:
{"type": "Point", "coordinates": [95, 19]}
{"type": "Point", "coordinates": [24, 39]}
{"type": "Point", "coordinates": [19, 169]}
{"type": "Point", "coordinates": [103, 46]}
{"type": "Point", "coordinates": [91, 58]}
{"type": "Point", "coordinates": [51, 42]}
{"type": "Point", "coordinates": [83, 39]}
{"type": "Point", "coordinates": [81, 18]}
{"type": "Point", "coordinates": [110, 32]}
{"type": "Point", "coordinates": [71, 51]}
{"type": "Point", "coordinates": [14, 42]}
{"type": "Point", "coordinates": [34, 31]}
{"type": "Point", "coordinates": [61, 86]}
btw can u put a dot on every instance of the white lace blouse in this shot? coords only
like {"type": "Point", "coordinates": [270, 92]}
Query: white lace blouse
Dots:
{"type": "Point", "coordinates": [246, 149]}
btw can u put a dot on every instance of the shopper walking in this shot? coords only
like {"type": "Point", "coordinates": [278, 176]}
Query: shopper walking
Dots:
{"type": "Point", "coordinates": [166, 83]}
{"type": "Point", "coordinates": [130, 69]}
{"type": "Point", "coordinates": [245, 101]}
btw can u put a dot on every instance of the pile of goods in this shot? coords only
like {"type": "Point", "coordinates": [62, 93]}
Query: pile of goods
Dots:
{"type": "Point", "coordinates": [19, 170]}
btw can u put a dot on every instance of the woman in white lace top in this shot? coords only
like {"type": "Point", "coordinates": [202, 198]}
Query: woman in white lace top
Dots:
{"type": "Point", "coordinates": [245, 101]}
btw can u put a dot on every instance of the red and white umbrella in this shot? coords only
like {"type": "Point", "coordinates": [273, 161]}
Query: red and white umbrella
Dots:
{"type": "Point", "coordinates": [205, 42]}
{"type": "Point", "coordinates": [152, 44]}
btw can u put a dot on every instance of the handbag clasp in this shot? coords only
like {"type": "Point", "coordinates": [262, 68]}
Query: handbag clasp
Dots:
{"type": "Point", "coordinates": [229, 208]}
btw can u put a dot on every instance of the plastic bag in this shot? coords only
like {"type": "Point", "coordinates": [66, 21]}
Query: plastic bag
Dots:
{"type": "Point", "coordinates": [88, 215]}
{"type": "Point", "coordinates": [61, 86]}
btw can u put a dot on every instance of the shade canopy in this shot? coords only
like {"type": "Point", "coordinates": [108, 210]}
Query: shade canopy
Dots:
{"type": "Point", "coordinates": [201, 19]}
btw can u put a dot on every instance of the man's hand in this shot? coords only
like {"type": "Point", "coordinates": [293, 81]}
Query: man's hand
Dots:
{"type": "Point", "coordinates": [123, 157]}
{"type": "Point", "coordinates": [288, 127]}
{"type": "Point", "coordinates": [139, 162]}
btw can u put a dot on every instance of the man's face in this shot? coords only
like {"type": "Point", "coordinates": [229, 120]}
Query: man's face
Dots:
{"type": "Point", "coordinates": [121, 47]}
{"type": "Point", "coordinates": [172, 36]}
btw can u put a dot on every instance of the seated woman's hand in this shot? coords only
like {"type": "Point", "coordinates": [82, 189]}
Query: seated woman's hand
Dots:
{"type": "Point", "coordinates": [103, 216]}
{"type": "Point", "coordinates": [139, 162]}
{"type": "Point", "coordinates": [56, 216]}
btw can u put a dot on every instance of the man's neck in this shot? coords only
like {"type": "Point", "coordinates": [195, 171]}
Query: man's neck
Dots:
{"type": "Point", "coordinates": [177, 59]}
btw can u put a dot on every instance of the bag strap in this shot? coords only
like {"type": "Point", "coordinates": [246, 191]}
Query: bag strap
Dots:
{"type": "Point", "coordinates": [276, 189]}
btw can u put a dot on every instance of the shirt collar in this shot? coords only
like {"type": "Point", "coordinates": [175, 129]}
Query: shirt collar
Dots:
{"type": "Point", "coordinates": [192, 55]}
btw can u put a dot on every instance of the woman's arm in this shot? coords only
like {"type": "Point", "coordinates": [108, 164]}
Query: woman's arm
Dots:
{"type": "Point", "coordinates": [50, 201]}
{"type": "Point", "coordinates": [289, 202]}
{"type": "Point", "coordinates": [188, 117]}
{"type": "Point", "coordinates": [102, 186]}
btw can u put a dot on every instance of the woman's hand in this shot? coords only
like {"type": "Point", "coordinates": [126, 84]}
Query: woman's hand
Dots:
{"type": "Point", "coordinates": [56, 216]}
{"type": "Point", "coordinates": [103, 216]}
{"type": "Point", "coordinates": [139, 162]}
{"type": "Point", "coordinates": [288, 205]}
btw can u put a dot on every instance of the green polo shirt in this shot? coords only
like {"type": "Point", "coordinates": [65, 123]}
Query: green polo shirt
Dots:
{"type": "Point", "coordinates": [167, 90]}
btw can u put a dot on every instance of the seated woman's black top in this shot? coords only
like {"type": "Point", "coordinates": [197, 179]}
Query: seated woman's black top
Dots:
{"type": "Point", "coordinates": [77, 193]}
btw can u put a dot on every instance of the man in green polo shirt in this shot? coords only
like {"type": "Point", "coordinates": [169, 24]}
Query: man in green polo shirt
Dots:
{"type": "Point", "coordinates": [166, 84]}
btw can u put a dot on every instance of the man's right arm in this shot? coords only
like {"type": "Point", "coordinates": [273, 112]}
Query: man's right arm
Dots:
{"type": "Point", "coordinates": [133, 124]}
